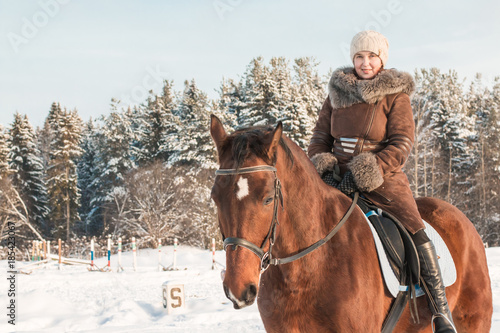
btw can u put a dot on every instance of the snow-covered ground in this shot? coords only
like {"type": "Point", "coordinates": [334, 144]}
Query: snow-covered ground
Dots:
{"type": "Point", "coordinates": [76, 300]}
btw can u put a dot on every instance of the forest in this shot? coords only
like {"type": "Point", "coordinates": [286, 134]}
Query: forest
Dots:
{"type": "Point", "coordinates": [146, 171]}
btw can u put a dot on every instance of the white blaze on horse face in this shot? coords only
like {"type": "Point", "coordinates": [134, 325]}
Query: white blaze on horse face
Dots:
{"type": "Point", "coordinates": [242, 188]}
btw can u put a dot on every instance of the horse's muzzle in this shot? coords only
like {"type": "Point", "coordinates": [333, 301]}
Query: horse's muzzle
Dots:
{"type": "Point", "coordinates": [247, 296]}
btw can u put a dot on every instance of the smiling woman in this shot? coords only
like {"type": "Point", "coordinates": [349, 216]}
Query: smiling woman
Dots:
{"type": "Point", "coordinates": [370, 107]}
{"type": "Point", "coordinates": [367, 64]}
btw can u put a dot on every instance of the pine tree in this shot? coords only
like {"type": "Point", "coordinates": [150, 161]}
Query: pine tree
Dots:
{"type": "Point", "coordinates": [195, 145]}
{"type": "Point", "coordinates": [257, 92]}
{"type": "Point", "coordinates": [228, 107]}
{"type": "Point", "coordinates": [46, 134]}
{"type": "Point", "coordinates": [310, 90]}
{"type": "Point", "coordinates": [114, 161]}
{"type": "Point", "coordinates": [4, 153]}
{"type": "Point", "coordinates": [88, 172]}
{"type": "Point", "coordinates": [159, 124]}
{"type": "Point", "coordinates": [28, 176]}
{"type": "Point", "coordinates": [485, 175]}
{"type": "Point", "coordinates": [62, 181]}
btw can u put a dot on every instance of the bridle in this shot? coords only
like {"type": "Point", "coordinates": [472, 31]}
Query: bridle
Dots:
{"type": "Point", "coordinates": [266, 258]}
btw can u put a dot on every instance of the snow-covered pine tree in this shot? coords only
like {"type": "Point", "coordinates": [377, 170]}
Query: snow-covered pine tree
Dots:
{"type": "Point", "coordinates": [310, 86]}
{"type": "Point", "coordinates": [62, 181]}
{"type": "Point", "coordinates": [452, 127]}
{"type": "Point", "coordinates": [28, 176]}
{"type": "Point", "coordinates": [159, 124]}
{"type": "Point", "coordinates": [195, 147]}
{"type": "Point", "coordinates": [45, 135]}
{"type": "Point", "coordinates": [87, 169]}
{"type": "Point", "coordinates": [114, 139]}
{"type": "Point", "coordinates": [425, 149]}
{"type": "Point", "coordinates": [483, 193]}
{"type": "Point", "coordinates": [229, 104]}
{"type": "Point", "coordinates": [258, 88]}
{"type": "Point", "coordinates": [4, 153]}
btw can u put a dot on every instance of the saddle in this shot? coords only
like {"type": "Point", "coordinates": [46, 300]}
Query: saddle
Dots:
{"type": "Point", "coordinates": [397, 242]}
{"type": "Point", "coordinates": [403, 259]}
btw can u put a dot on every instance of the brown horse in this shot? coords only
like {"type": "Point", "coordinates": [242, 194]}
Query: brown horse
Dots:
{"type": "Point", "coordinates": [338, 287]}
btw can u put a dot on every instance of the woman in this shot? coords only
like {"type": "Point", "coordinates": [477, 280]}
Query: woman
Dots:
{"type": "Point", "coordinates": [366, 127]}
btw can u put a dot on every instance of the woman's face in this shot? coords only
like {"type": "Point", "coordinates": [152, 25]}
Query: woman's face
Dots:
{"type": "Point", "coordinates": [367, 64]}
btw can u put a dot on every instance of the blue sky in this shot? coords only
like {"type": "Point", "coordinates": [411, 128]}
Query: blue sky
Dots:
{"type": "Point", "coordinates": [83, 53]}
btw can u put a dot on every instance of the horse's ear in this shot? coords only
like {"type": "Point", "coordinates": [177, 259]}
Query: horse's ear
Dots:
{"type": "Point", "coordinates": [217, 132]}
{"type": "Point", "coordinates": [276, 137]}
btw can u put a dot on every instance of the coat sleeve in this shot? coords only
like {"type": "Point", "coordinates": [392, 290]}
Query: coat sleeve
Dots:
{"type": "Point", "coordinates": [322, 140]}
{"type": "Point", "coordinates": [400, 135]}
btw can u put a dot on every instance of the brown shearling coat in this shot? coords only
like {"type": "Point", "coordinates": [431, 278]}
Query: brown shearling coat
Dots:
{"type": "Point", "coordinates": [365, 117]}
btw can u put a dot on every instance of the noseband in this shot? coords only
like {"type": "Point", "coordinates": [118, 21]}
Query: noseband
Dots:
{"type": "Point", "coordinates": [266, 258]}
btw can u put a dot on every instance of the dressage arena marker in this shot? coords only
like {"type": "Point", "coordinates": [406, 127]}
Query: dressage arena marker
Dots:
{"type": "Point", "coordinates": [120, 268]}
{"type": "Point", "coordinates": [134, 254]}
{"type": "Point", "coordinates": [109, 252]}
{"type": "Point", "coordinates": [45, 246]}
{"type": "Point", "coordinates": [92, 253]}
{"type": "Point", "coordinates": [173, 297]}
{"type": "Point", "coordinates": [60, 261]}
{"type": "Point", "coordinates": [175, 254]}
{"type": "Point", "coordinates": [160, 267]}
{"type": "Point", "coordinates": [213, 253]}
{"type": "Point", "coordinates": [37, 244]}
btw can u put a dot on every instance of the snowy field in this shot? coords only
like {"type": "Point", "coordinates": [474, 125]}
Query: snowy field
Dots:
{"type": "Point", "coordinates": [76, 300]}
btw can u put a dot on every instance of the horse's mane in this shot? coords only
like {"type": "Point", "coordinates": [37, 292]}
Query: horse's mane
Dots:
{"type": "Point", "coordinates": [253, 140]}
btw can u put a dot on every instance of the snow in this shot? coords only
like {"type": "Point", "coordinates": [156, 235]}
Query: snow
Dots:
{"type": "Point", "coordinates": [76, 300]}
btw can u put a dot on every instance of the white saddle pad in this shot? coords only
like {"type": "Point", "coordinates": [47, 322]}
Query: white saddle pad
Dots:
{"type": "Point", "coordinates": [444, 258]}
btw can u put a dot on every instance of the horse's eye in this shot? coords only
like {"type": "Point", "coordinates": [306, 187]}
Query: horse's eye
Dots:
{"type": "Point", "coordinates": [268, 201]}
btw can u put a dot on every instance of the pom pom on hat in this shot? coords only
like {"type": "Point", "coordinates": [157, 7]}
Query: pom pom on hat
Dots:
{"type": "Point", "coordinates": [372, 41]}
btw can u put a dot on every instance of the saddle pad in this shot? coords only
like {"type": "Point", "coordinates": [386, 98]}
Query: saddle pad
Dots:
{"type": "Point", "coordinates": [445, 259]}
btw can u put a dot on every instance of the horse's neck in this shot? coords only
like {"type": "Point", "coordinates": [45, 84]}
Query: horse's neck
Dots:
{"type": "Point", "coordinates": [311, 207]}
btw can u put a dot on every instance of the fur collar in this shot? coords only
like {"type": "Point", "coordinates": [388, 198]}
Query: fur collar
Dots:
{"type": "Point", "coordinates": [346, 89]}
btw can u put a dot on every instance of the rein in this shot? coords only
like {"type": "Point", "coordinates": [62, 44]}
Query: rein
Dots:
{"type": "Point", "coordinates": [266, 258]}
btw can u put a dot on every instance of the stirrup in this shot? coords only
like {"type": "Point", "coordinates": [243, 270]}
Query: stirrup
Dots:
{"type": "Point", "coordinates": [446, 318]}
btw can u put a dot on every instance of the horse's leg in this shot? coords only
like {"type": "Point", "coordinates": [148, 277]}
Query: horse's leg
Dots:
{"type": "Point", "coordinates": [470, 297]}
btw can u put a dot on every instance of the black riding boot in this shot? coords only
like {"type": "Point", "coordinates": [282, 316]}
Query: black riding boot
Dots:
{"type": "Point", "coordinates": [431, 274]}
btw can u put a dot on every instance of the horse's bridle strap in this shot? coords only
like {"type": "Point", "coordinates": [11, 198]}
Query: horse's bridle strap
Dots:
{"type": "Point", "coordinates": [235, 242]}
{"type": "Point", "coordinates": [223, 172]}
{"type": "Point", "coordinates": [278, 261]}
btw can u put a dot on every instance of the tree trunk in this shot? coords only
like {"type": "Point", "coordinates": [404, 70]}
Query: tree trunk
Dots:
{"type": "Point", "coordinates": [483, 180]}
{"type": "Point", "coordinates": [68, 215]}
{"type": "Point", "coordinates": [425, 170]}
{"type": "Point", "coordinates": [433, 173]}
{"type": "Point", "coordinates": [449, 175]}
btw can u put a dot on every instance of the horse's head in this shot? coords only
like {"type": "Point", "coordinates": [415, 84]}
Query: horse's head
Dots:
{"type": "Point", "coordinates": [246, 192]}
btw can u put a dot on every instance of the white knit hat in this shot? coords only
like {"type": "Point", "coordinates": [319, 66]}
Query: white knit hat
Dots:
{"type": "Point", "coordinates": [372, 41]}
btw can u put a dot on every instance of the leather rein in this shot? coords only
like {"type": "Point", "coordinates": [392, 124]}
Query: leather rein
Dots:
{"type": "Point", "coordinates": [266, 258]}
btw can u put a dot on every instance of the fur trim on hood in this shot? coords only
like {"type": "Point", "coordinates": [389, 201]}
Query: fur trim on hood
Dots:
{"type": "Point", "coordinates": [346, 89]}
